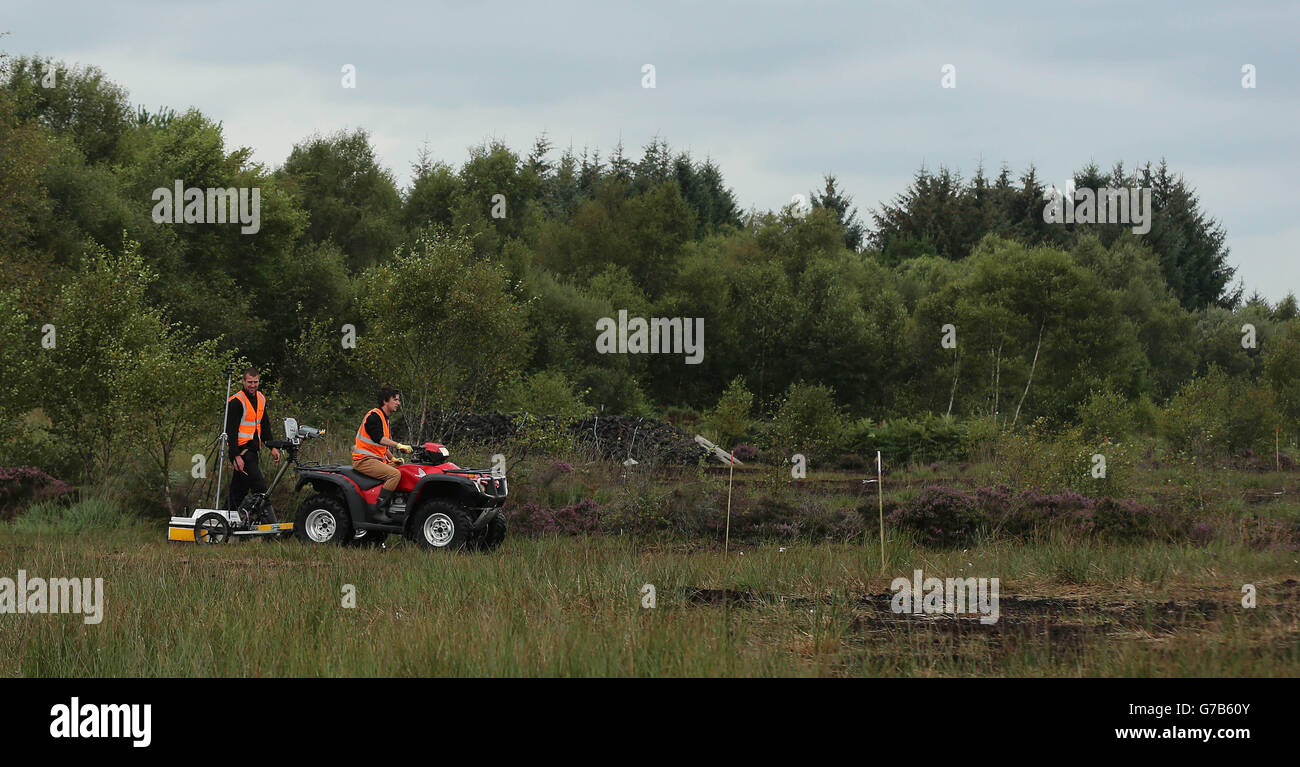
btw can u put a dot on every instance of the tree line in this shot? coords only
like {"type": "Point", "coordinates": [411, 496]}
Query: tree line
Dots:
{"type": "Point", "coordinates": [478, 286]}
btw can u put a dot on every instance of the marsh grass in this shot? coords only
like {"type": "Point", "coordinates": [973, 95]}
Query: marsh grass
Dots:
{"type": "Point", "coordinates": [572, 607]}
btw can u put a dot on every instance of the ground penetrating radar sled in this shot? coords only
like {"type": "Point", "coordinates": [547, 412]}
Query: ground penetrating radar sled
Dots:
{"type": "Point", "coordinates": [255, 515]}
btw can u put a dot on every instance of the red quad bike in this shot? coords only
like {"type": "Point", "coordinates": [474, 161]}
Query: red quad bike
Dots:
{"type": "Point", "coordinates": [437, 504]}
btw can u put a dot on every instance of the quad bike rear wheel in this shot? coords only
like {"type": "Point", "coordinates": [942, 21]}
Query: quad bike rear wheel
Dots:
{"type": "Point", "coordinates": [322, 519]}
{"type": "Point", "coordinates": [439, 525]}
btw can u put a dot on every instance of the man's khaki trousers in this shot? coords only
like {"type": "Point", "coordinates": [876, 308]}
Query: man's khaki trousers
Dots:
{"type": "Point", "coordinates": [373, 467]}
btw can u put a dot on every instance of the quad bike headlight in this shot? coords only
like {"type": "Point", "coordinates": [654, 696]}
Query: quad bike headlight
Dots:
{"type": "Point", "coordinates": [487, 484]}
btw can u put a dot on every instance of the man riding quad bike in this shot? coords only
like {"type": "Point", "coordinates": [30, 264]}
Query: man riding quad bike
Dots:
{"type": "Point", "coordinates": [370, 451]}
{"type": "Point", "coordinates": [435, 503]}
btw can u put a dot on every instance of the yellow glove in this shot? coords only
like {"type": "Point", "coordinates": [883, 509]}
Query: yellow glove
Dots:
{"type": "Point", "coordinates": [403, 448]}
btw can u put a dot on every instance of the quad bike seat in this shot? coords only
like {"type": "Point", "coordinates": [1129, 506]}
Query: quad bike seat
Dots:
{"type": "Point", "coordinates": [363, 481]}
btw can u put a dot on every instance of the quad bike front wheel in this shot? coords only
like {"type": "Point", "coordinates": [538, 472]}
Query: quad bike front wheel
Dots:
{"type": "Point", "coordinates": [495, 533]}
{"type": "Point", "coordinates": [322, 519]}
{"type": "Point", "coordinates": [439, 525]}
{"type": "Point", "coordinates": [211, 529]}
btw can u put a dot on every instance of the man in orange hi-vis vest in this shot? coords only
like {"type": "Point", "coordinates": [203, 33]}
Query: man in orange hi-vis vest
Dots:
{"type": "Point", "coordinates": [246, 428]}
{"type": "Point", "coordinates": [370, 450]}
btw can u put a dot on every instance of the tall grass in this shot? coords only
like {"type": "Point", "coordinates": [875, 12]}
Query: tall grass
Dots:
{"type": "Point", "coordinates": [573, 607]}
{"type": "Point", "coordinates": [95, 514]}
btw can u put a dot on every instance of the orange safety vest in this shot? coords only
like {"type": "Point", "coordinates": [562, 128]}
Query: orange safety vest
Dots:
{"type": "Point", "coordinates": [365, 446]}
{"type": "Point", "coordinates": [249, 427]}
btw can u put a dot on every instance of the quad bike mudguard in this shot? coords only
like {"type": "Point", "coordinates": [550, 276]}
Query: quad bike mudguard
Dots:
{"type": "Point", "coordinates": [324, 481]}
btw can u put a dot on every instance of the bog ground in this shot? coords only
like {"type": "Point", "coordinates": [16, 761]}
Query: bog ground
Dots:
{"type": "Point", "coordinates": [572, 606]}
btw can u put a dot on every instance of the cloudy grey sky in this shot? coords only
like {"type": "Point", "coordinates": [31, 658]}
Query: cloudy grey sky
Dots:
{"type": "Point", "coordinates": [778, 93]}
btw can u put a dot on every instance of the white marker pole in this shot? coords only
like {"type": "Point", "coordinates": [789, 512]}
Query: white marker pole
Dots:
{"type": "Point", "coordinates": [221, 459]}
{"type": "Point", "coordinates": [726, 546]}
{"type": "Point", "coordinates": [880, 492]}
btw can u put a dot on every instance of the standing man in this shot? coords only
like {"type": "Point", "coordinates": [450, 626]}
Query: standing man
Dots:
{"type": "Point", "coordinates": [246, 422]}
{"type": "Point", "coordinates": [370, 451]}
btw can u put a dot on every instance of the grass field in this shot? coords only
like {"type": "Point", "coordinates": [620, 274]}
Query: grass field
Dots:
{"type": "Point", "coordinates": [572, 606]}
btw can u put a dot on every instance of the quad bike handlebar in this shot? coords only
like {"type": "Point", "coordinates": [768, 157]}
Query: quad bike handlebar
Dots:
{"type": "Point", "coordinates": [421, 454]}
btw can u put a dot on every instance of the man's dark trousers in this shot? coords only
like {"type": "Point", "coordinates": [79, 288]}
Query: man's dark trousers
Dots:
{"type": "Point", "coordinates": [249, 479]}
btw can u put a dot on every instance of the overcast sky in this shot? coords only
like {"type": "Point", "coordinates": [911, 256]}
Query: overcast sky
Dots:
{"type": "Point", "coordinates": [777, 93]}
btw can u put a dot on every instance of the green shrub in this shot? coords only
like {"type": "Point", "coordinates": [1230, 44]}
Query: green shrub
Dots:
{"type": "Point", "coordinates": [982, 435]}
{"type": "Point", "coordinates": [544, 435]}
{"type": "Point", "coordinates": [548, 392]}
{"type": "Point", "coordinates": [857, 436]}
{"type": "Point", "coordinates": [1038, 458]}
{"type": "Point", "coordinates": [903, 441]}
{"type": "Point", "coordinates": [17, 359]}
{"type": "Point", "coordinates": [809, 421]}
{"type": "Point", "coordinates": [729, 423]}
{"type": "Point", "coordinates": [1106, 414]}
{"type": "Point", "coordinates": [1216, 413]}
